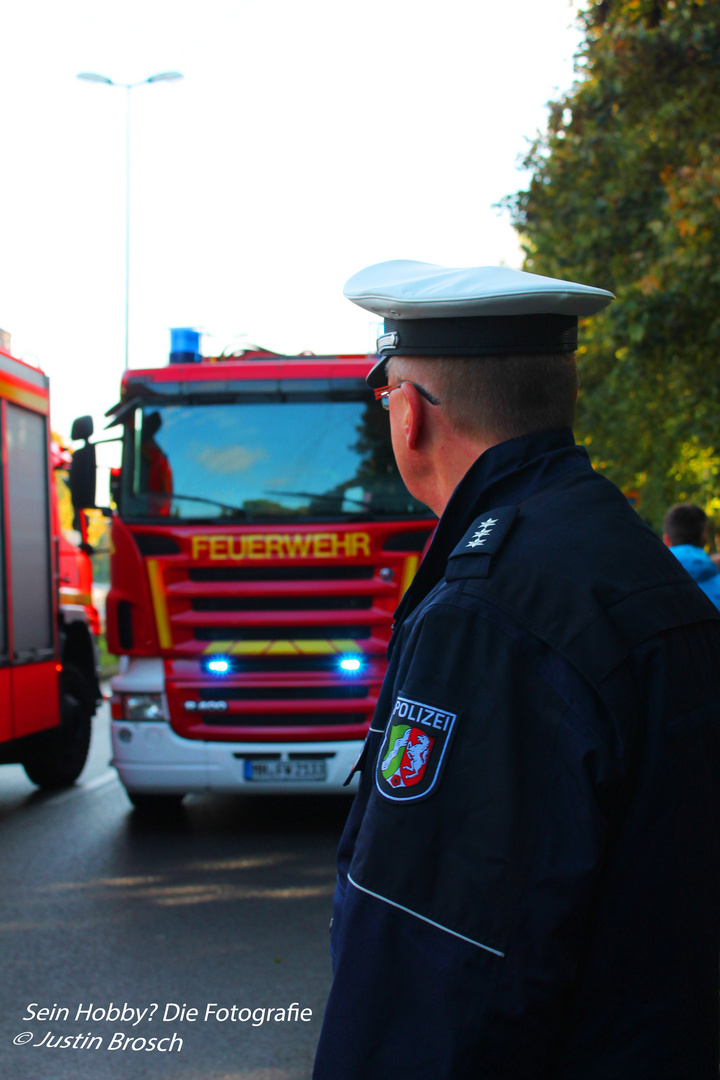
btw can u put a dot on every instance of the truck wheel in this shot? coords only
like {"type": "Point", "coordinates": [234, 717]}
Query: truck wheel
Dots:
{"type": "Point", "coordinates": [157, 805]}
{"type": "Point", "coordinates": [55, 759]}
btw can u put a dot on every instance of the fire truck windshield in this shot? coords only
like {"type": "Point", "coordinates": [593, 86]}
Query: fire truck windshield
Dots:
{"type": "Point", "coordinates": [256, 459]}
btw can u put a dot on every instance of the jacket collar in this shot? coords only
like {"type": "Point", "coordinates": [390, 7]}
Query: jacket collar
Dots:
{"type": "Point", "coordinates": [504, 475]}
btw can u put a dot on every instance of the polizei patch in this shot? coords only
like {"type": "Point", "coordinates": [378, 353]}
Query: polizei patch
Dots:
{"type": "Point", "coordinates": [414, 750]}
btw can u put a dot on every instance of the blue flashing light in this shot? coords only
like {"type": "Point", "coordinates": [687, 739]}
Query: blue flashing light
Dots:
{"type": "Point", "coordinates": [351, 664]}
{"type": "Point", "coordinates": [218, 665]}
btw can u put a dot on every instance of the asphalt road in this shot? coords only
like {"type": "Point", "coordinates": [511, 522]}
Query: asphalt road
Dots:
{"type": "Point", "coordinates": [227, 905]}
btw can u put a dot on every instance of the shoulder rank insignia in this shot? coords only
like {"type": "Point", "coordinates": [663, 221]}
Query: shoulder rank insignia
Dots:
{"type": "Point", "coordinates": [484, 537]}
{"type": "Point", "coordinates": [414, 750]}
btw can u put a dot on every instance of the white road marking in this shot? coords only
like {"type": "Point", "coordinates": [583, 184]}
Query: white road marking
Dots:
{"type": "Point", "coordinates": [104, 780]}
{"type": "Point", "coordinates": [100, 781]}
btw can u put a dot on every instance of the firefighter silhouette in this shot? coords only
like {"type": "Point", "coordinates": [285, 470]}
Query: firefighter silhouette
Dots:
{"type": "Point", "coordinates": [155, 471]}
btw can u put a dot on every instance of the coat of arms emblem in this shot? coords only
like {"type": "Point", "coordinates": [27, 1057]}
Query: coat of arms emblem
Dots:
{"type": "Point", "coordinates": [407, 757]}
{"type": "Point", "coordinates": [413, 750]}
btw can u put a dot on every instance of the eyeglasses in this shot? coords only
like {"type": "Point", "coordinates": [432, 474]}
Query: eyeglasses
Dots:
{"type": "Point", "coordinates": [383, 393]}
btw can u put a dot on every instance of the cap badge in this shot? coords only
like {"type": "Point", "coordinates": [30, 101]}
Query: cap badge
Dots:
{"type": "Point", "coordinates": [387, 341]}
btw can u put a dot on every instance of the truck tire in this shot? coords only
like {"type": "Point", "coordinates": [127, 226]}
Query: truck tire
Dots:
{"type": "Point", "coordinates": [55, 759]}
{"type": "Point", "coordinates": [157, 805]}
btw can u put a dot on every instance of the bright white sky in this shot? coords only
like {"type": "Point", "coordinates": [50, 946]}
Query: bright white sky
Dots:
{"type": "Point", "coordinates": [306, 141]}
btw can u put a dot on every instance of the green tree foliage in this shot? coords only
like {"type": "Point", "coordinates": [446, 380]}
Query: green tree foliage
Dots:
{"type": "Point", "coordinates": [625, 194]}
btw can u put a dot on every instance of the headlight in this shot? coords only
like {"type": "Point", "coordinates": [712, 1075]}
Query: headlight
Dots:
{"type": "Point", "coordinates": [143, 707]}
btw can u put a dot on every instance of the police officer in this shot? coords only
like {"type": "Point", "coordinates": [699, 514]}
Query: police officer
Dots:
{"type": "Point", "coordinates": [529, 878]}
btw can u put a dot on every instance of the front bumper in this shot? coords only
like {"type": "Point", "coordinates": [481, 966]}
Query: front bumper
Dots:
{"type": "Point", "coordinates": [151, 759]}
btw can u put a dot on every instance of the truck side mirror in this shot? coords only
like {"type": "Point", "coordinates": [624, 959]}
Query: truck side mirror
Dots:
{"type": "Point", "coordinates": [82, 475]}
{"type": "Point", "coordinates": [82, 428]}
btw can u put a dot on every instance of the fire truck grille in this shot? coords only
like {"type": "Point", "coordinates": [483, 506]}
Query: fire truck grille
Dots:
{"type": "Point", "coordinates": [265, 633]}
{"type": "Point", "coordinates": [282, 693]}
{"type": "Point", "coordinates": [281, 573]}
{"type": "Point", "coordinates": [282, 603]}
{"type": "Point", "coordinates": [294, 630]}
{"type": "Point", "coordinates": [268, 720]}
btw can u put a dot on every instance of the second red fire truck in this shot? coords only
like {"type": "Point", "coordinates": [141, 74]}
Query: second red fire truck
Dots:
{"type": "Point", "coordinates": [48, 625]}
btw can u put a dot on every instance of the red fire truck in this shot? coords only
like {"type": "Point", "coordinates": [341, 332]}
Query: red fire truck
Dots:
{"type": "Point", "coordinates": [262, 540]}
{"type": "Point", "coordinates": [48, 679]}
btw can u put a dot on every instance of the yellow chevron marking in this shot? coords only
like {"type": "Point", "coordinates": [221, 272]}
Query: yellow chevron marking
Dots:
{"type": "Point", "coordinates": [341, 645]}
{"type": "Point", "coordinates": [249, 648]}
{"type": "Point", "coordinates": [309, 647]}
{"type": "Point", "coordinates": [219, 647]}
{"type": "Point", "coordinates": [284, 647]}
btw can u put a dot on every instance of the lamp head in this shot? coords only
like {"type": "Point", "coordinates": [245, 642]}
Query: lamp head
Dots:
{"type": "Point", "coordinates": [90, 76]}
{"type": "Point", "coordinates": [165, 76]}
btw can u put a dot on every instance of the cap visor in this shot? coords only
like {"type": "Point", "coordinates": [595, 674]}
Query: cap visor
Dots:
{"type": "Point", "coordinates": [376, 376]}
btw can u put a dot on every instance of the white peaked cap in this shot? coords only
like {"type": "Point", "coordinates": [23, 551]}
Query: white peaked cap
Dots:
{"type": "Point", "coordinates": [405, 289]}
{"type": "Point", "coordinates": [470, 311]}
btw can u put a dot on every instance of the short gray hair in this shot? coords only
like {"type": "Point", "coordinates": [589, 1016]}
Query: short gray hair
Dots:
{"type": "Point", "coordinates": [497, 396]}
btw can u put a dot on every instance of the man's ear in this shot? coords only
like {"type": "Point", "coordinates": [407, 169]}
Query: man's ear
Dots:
{"type": "Point", "coordinates": [413, 419]}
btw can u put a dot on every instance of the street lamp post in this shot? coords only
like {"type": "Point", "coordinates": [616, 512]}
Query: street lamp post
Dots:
{"type": "Point", "coordinates": [163, 76]}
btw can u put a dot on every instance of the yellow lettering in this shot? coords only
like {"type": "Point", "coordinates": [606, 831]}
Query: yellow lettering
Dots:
{"type": "Point", "coordinates": [236, 547]}
{"type": "Point", "coordinates": [362, 544]}
{"type": "Point", "coordinates": [298, 545]}
{"type": "Point", "coordinates": [256, 547]}
{"type": "Point", "coordinates": [198, 543]}
{"type": "Point", "coordinates": [218, 547]}
{"type": "Point", "coordinates": [273, 544]}
{"type": "Point", "coordinates": [324, 544]}
{"type": "Point", "coordinates": [281, 545]}
{"type": "Point", "coordinates": [345, 544]}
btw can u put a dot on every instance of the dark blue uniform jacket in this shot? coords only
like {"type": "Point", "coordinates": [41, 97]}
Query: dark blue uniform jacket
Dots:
{"type": "Point", "coordinates": [528, 880]}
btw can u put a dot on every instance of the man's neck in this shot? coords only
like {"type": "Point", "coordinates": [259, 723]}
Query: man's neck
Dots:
{"type": "Point", "coordinates": [450, 463]}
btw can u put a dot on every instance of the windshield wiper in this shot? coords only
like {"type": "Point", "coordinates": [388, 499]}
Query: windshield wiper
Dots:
{"type": "Point", "coordinates": [369, 511]}
{"type": "Point", "coordinates": [320, 495]}
{"type": "Point", "coordinates": [237, 510]}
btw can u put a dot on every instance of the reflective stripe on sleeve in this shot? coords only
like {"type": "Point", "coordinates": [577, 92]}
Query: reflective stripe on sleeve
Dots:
{"type": "Point", "coordinates": [425, 919]}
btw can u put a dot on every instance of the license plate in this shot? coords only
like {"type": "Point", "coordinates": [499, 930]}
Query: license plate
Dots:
{"type": "Point", "coordinates": [286, 770]}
